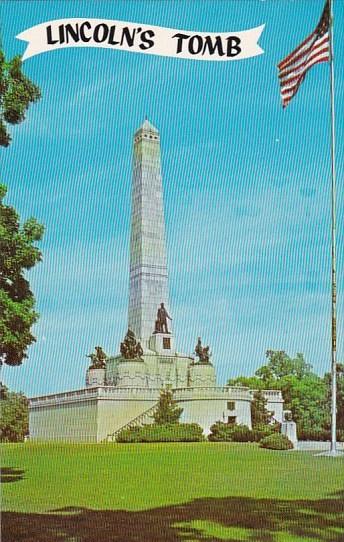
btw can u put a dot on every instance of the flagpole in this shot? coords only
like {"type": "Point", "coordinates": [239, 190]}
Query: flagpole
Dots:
{"type": "Point", "coordinates": [333, 250]}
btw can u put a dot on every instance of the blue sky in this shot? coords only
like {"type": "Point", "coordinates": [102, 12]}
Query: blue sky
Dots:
{"type": "Point", "coordinates": [246, 188]}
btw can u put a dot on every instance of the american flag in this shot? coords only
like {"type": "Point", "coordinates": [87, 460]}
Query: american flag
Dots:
{"type": "Point", "coordinates": [314, 49]}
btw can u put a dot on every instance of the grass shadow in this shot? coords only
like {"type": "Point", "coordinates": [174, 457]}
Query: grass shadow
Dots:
{"type": "Point", "coordinates": [9, 474]}
{"type": "Point", "coordinates": [234, 519]}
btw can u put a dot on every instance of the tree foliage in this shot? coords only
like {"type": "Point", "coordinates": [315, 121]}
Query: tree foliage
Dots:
{"type": "Point", "coordinates": [252, 382]}
{"type": "Point", "coordinates": [17, 92]}
{"type": "Point", "coordinates": [340, 394]}
{"type": "Point", "coordinates": [18, 253]}
{"type": "Point", "coordinates": [14, 416]}
{"type": "Point", "coordinates": [280, 365]}
{"type": "Point", "coordinates": [304, 392]}
{"type": "Point", "coordinates": [167, 411]}
{"type": "Point", "coordinates": [259, 413]}
{"type": "Point", "coordinates": [340, 399]}
{"type": "Point", "coordinates": [307, 400]}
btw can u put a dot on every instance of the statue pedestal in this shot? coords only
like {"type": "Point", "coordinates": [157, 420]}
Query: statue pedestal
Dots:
{"type": "Point", "coordinates": [131, 373]}
{"type": "Point", "coordinates": [202, 375]}
{"type": "Point", "coordinates": [289, 430]}
{"type": "Point", "coordinates": [162, 344]}
{"type": "Point", "coordinates": [95, 377]}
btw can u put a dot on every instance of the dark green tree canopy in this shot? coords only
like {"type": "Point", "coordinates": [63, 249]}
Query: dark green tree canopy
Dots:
{"type": "Point", "coordinates": [304, 392]}
{"type": "Point", "coordinates": [18, 254]}
{"type": "Point", "coordinates": [17, 92]}
{"type": "Point", "coordinates": [340, 400]}
{"type": "Point", "coordinates": [167, 411]}
{"type": "Point", "coordinates": [280, 365]}
{"type": "Point", "coordinates": [14, 416]}
{"type": "Point", "coordinates": [340, 393]}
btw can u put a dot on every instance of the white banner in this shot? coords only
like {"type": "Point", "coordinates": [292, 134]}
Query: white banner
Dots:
{"type": "Point", "coordinates": [141, 38]}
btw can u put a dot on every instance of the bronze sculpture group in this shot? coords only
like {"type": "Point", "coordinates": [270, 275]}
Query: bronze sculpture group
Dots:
{"type": "Point", "coordinates": [202, 352]}
{"type": "Point", "coordinates": [130, 347]}
{"type": "Point", "coordinates": [98, 359]}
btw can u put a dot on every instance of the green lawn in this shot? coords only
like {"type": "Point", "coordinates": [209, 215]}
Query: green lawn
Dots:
{"type": "Point", "coordinates": [169, 492]}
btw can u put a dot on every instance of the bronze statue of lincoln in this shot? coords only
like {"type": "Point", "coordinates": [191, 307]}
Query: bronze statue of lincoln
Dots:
{"type": "Point", "coordinates": [161, 321]}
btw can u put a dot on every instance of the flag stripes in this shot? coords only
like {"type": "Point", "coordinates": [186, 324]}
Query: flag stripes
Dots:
{"type": "Point", "coordinates": [313, 50]}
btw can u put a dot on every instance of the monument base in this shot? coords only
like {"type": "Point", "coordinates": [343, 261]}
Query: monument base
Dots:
{"type": "Point", "coordinates": [95, 377]}
{"type": "Point", "coordinates": [289, 430]}
{"type": "Point", "coordinates": [202, 375]}
{"type": "Point", "coordinates": [331, 453]}
{"type": "Point", "coordinates": [153, 370]}
{"type": "Point", "coordinates": [162, 344]}
{"type": "Point", "coordinates": [95, 413]}
{"type": "Point", "coordinates": [131, 374]}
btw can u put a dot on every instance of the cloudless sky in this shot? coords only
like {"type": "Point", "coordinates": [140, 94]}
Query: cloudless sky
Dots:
{"type": "Point", "coordinates": [246, 188]}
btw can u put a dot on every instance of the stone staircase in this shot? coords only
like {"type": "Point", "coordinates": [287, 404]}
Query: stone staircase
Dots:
{"type": "Point", "coordinates": [135, 422]}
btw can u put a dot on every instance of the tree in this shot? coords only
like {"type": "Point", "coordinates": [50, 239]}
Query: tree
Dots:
{"type": "Point", "coordinates": [167, 411]}
{"type": "Point", "coordinates": [14, 416]}
{"type": "Point", "coordinates": [280, 365]}
{"type": "Point", "coordinates": [17, 92]}
{"type": "Point", "coordinates": [306, 397]}
{"type": "Point", "coordinates": [259, 413]}
{"type": "Point", "coordinates": [18, 253]}
{"type": "Point", "coordinates": [304, 392]}
{"type": "Point", "coordinates": [340, 394]}
{"type": "Point", "coordinates": [252, 382]}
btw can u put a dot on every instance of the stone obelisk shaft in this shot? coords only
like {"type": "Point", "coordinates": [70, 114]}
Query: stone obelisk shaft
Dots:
{"type": "Point", "coordinates": [148, 267]}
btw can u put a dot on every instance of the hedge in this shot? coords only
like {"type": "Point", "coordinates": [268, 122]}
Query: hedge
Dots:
{"type": "Point", "coordinates": [276, 442]}
{"type": "Point", "coordinates": [262, 431]}
{"type": "Point", "coordinates": [173, 432]}
{"type": "Point", "coordinates": [224, 432]}
{"type": "Point", "coordinates": [319, 434]}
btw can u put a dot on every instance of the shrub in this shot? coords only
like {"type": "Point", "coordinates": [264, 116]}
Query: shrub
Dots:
{"type": "Point", "coordinates": [318, 434]}
{"type": "Point", "coordinates": [264, 430]}
{"type": "Point", "coordinates": [241, 433]}
{"type": "Point", "coordinates": [313, 434]}
{"type": "Point", "coordinates": [220, 432]}
{"type": "Point", "coordinates": [224, 432]}
{"type": "Point", "coordinates": [276, 442]}
{"type": "Point", "coordinates": [129, 435]}
{"type": "Point", "coordinates": [172, 432]}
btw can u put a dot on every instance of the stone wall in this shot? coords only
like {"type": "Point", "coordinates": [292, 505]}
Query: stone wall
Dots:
{"type": "Point", "coordinates": [87, 415]}
{"type": "Point", "coordinates": [114, 414]}
{"type": "Point", "coordinates": [90, 414]}
{"type": "Point", "coordinates": [75, 422]}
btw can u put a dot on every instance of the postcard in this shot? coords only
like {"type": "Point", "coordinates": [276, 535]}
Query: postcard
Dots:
{"type": "Point", "coordinates": [171, 271]}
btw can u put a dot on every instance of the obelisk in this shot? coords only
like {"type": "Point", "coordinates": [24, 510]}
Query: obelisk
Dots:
{"type": "Point", "coordinates": [148, 286]}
